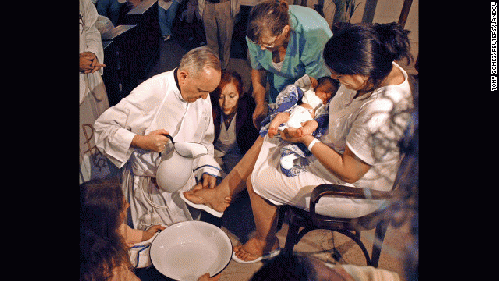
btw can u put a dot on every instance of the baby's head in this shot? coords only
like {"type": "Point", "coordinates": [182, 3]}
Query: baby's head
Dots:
{"type": "Point", "coordinates": [326, 88]}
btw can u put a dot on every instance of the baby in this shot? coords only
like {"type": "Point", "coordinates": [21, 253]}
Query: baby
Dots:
{"type": "Point", "coordinates": [302, 116]}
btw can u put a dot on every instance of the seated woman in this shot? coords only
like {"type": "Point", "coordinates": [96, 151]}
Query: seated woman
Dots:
{"type": "Point", "coordinates": [232, 117]}
{"type": "Point", "coordinates": [367, 118]}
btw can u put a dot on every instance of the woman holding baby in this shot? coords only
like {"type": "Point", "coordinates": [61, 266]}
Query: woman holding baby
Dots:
{"type": "Point", "coordinates": [367, 118]}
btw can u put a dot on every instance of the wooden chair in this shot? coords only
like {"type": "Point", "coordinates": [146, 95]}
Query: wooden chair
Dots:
{"type": "Point", "coordinates": [349, 227]}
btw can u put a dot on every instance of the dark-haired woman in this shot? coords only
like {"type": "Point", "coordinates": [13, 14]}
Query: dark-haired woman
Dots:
{"type": "Point", "coordinates": [367, 118]}
{"type": "Point", "coordinates": [104, 239]}
{"type": "Point", "coordinates": [284, 43]}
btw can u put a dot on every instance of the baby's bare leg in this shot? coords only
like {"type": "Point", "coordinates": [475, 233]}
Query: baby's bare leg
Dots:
{"type": "Point", "coordinates": [309, 127]}
{"type": "Point", "coordinates": [280, 118]}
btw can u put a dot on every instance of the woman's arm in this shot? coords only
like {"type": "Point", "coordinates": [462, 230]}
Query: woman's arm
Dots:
{"type": "Point", "coordinates": [258, 82]}
{"type": "Point", "coordinates": [346, 166]}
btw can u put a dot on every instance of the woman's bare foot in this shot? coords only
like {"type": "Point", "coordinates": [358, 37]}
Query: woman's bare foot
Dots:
{"type": "Point", "coordinates": [209, 197]}
{"type": "Point", "coordinates": [255, 248]}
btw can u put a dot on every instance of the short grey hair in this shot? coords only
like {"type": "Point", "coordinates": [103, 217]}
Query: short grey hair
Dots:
{"type": "Point", "coordinates": [199, 58]}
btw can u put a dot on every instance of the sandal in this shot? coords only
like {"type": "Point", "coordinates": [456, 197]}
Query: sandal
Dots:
{"type": "Point", "coordinates": [270, 255]}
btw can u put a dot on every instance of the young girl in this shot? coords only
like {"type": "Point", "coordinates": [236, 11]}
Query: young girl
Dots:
{"type": "Point", "coordinates": [232, 117]}
{"type": "Point", "coordinates": [104, 238]}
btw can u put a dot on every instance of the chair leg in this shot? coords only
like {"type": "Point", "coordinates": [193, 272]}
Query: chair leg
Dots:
{"type": "Point", "coordinates": [282, 210]}
{"type": "Point", "coordinates": [357, 240]}
{"type": "Point", "coordinates": [378, 241]}
{"type": "Point", "coordinates": [292, 236]}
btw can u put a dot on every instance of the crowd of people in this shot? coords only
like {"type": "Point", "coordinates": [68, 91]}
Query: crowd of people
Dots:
{"type": "Point", "coordinates": [328, 105]}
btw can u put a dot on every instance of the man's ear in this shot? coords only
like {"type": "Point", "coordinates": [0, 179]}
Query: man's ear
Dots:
{"type": "Point", "coordinates": [182, 76]}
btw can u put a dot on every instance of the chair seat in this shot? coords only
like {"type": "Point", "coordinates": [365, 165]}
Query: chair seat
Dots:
{"type": "Point", "coordinates": [350, 227]}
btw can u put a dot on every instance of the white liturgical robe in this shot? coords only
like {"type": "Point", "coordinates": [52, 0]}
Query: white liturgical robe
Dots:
{"type": "Point", "coordinates": [155, 104]}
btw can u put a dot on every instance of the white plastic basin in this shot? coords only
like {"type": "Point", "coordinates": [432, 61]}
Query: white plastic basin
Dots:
{"type": "Point", "coordinates": [187, 250]}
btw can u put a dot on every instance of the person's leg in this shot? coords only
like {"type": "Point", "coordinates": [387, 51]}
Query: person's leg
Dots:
{"type": "Point", "coordinates": [210, 26]}
{"type": "Point", "coordinates": [265, 240]}
{"type": "Point", "coordinates": [226, 26]}
{"type": "Point", "coordinates": [102, 6]}
{"type": "Point", "coordinates": [170, 17]}
{"type": "Point", "coordinates": [162, 21]}
{"type": "Point", "coordinates": [114, 12]}
{"type": "Point", "coordinates": [218, 198]}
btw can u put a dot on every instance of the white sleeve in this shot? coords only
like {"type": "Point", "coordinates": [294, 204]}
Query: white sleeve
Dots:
{"type": "Point", "coordinates": [112, 135]}
{"type": "Point", "coordinates": [116, 127]}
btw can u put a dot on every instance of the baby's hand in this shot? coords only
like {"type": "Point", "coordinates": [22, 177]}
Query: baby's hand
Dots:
{"type": "Point", "coordinates": [148, 234]}
{"type": "Point", "coordinates": [272, 132]}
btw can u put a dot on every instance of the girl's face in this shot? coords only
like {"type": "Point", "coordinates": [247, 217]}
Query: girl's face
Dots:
{"type": "Point", "coordinates": [228, 99]}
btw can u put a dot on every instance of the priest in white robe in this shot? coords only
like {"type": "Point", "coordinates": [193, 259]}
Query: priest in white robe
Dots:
{"type": "Point", "coordinates": [132, 134]}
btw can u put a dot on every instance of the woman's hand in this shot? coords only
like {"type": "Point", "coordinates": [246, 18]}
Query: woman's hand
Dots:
{"type": "Point", "coordinates": [347, 166]}
{"type": "Point", "coordinates": [258, 80]}
{"type": "Point", "coordinates": [289, 134]}
{"type": "Point", "coordinates": [259, 114]}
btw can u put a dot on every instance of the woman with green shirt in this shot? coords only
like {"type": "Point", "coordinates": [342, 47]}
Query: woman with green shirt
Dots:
{"type": "Point", "coordinates": [284, 43]}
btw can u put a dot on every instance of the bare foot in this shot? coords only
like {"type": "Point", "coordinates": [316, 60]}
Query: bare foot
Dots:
{"type": "Point", "coordinates": [208, 197]}
{"type": "Point", "coordinates": [254, 249]}
{"type": "Point", "coordinates": [293, 132]}
{"type": "Point", "coordinates": [299, 133]}
{"type": "Point", "coordinates": [272, 132]}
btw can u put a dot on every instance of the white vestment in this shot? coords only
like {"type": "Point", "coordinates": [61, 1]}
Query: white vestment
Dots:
{"type": "Point", "coordinates": [155, 104]}
{"type": "Point", "coordinates": [93, 97]}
